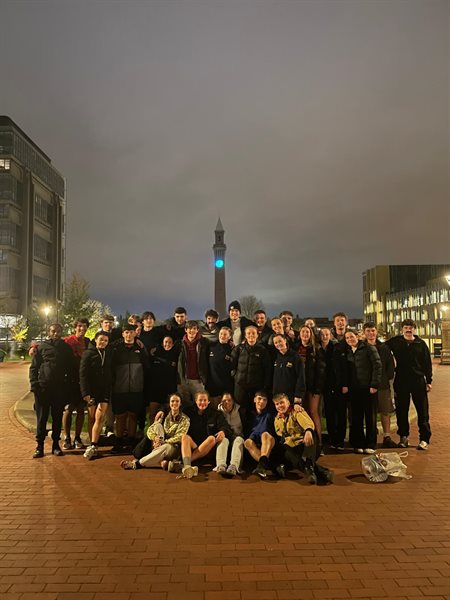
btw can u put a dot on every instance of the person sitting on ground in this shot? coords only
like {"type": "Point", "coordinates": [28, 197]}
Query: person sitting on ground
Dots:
{"type": "Point", "coordinates": [95, 385]}
{"type": "Point", "coordinates": [299, 441]}
{"type": "Point", "coordinates": [230, 468]}
{"type": "Point", "coordinates": [261, 440]}
{"type": "Point", "coordinates": [208, 428]}
{"type": "Point", "coordinates": [165, 438]}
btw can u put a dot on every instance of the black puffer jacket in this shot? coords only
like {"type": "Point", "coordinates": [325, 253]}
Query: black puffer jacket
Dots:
{"type": "Point", "coordinates": [362, 368]}
{"type": "Point", "coordinates": [130, 366]}
{"type": "Point", "coordinates": [96, 373]}
{"type": "Point", "coordinates": [163, 373]}
{"type": "Point", "coordinates": [315, 366]}
{"type": "Point", "coordinates": [220, 367]}
{"type": "Point", "coordinates": [328, 356]}
{"type": "Point", "coordinates": [52, 365]}
{"type": "Point", "coordinates": [252, 365]}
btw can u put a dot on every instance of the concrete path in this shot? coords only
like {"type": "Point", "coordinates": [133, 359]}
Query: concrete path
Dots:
{"type": "Point", "coordinates": [72, 529]}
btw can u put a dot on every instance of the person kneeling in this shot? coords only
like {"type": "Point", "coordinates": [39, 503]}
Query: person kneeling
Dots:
{"type": "Point", "coordinates": [295, 429]}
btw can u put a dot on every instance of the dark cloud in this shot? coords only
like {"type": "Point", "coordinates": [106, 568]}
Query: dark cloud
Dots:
{"type": "Point", "coordinates": [317, 130]}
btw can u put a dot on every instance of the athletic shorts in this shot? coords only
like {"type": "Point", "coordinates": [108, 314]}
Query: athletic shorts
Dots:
{"type": "Point", "coordinates": [385, 402]}
{"type": "Point", "coordinates": [123, 403]}
{"type": "Point", "coordinates": [76, 401]}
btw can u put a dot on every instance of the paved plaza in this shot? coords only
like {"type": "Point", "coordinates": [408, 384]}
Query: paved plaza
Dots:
{"type": "Point", "coordinates": [73, 529]}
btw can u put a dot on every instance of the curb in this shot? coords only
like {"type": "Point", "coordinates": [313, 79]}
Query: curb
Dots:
{"type": "Point", "coordinates": [24, 414]}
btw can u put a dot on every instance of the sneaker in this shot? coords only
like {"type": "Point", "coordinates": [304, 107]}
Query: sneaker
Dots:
{"type": "Point", "coordinates": [422, 445]}
{"type": "Point", "coordinates": [68, 444]}
{"type": "Point", "coordinates": [221, 469]}
{"type": "Point", "coordinates": [91, 452]}
{"type": "Point", "coordinates": [368, 451]}
{"type": "Point", "coordinates": [39, 452]}
{"type": "Point", "coordinates": [359, 450]}
{"type": "Point", "coordinates": [79, 444]}
{"type": "Point", "coordinates": [260, 471]}
{"type": "Point", "coordinates": [230, 472]}
{"type": "Point", "coordinates": [280, 470]}
{"type": "Point", "coordinates": [56, 450]}
{"type": "Point", "coordinates": [129, 465]}
{"type": "Point", "coordinates": [189, 472]}
{"type": "Point", "coordinates": [310, 475]}
{"type": "Point", "coordinates": [324, 475]}
{"type": "Point", "coordinates": [341, 448]}
{"type": "Point", "coordinates": [403, 443]}
{"type": "Point", "coordinates": [388, 442]}
{"type": "Point", "coordinates": [174, 466]}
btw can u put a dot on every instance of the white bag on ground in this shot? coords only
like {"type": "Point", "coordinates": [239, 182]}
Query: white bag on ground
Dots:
{"type": "Point", "coordinates": [378, 467]}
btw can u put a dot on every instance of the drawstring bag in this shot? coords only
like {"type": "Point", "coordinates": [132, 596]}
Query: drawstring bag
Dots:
{"type": "Point", "coordinates": [378, 467]}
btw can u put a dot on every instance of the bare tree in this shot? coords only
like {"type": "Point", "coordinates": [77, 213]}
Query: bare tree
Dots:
{"type": "Point", "coordinates": [249, 304]}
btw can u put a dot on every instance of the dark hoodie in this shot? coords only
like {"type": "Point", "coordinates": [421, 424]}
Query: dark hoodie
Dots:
{"type": "Point", "coordinates": [193, 359]}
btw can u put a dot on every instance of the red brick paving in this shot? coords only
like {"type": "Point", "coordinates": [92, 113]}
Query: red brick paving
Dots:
{"type": "Point", "coordinates": [78, 530]}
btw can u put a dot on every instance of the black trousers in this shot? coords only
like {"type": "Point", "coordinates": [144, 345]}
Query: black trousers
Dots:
{"type": "Point", "coordinates": [404, 391]}
{"type": "Point", "coordinates": [298, 454]}
{"type": "Point", "coordinates": [363, 411]}
{"type": "Point", "coordinates": [335, 404]}
{"type": "Point", "coordinates": [45, 402]}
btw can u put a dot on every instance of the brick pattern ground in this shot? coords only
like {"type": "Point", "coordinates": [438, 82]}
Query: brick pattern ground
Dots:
{"type": "Point", "coordinates": [72, 529]}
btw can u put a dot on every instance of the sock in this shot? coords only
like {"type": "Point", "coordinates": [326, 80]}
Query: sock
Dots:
{"type": "Point", "coordinates": [264, 461]}
{"type": "Point", "coordinates": [187, 461]}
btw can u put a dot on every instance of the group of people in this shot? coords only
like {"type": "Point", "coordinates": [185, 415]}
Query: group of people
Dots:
{"type": "Point", "coordinates": [209, 391]}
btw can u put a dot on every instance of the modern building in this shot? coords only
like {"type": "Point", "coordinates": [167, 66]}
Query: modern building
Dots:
{"type": "Point", "coordinates": [392, 293]}
{"type": "Point", "coordinates": [32, 224]}
{"type": "Point", "coordinates": [219, 249]}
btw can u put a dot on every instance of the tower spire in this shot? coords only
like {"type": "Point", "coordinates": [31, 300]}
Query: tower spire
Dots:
{"type": "Point", "coordinates": [219, 249]}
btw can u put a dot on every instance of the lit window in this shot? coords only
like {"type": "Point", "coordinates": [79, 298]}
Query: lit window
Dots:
{"type": "Point", "coordinates": [5, 164]}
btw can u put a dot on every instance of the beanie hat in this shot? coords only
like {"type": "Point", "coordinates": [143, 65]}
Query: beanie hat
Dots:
{"type": "Point", "coordinates": [234, 305]}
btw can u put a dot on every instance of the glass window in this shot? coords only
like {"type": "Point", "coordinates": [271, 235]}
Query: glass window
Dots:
{"type": "Point", "coordinates": [10, 235]}
{"type": "Point", "coordinates": [3, 256]}
{"type": "Point", "coordinates": [42, 249]}
{"type": "Point", "coordinates": [5, 164]}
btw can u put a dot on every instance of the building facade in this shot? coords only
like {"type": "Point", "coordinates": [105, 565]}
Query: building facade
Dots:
{"type": "Point", "coordinates": [219, 249]}
{"type": "Point", "coordinates": [32, 224]}
{"type": "Point", "coordinates": [392, 293]}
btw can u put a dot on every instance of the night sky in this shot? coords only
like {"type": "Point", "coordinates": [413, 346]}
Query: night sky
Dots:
{"type": "Point", "coordinates": [318, 131]}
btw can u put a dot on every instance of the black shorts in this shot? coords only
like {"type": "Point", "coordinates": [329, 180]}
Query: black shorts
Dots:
{"type": "Point", "coordinates": [123, 403]}
{"type": "Point", "coordinates": [76, 401]}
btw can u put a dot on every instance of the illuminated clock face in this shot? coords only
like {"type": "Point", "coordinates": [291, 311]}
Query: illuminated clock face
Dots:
{"type": "Point", "coordinates": [219, 263]}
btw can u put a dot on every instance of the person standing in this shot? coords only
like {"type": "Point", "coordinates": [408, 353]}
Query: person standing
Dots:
{"type": "Point", "coordinates": [50, 374]}
{"type": "Point", "coordinates": [384, 395]}
{"type": "Point", "coordinates": [413, 377]}
{"type": "Point", "coordinates": [361, 371]}
{"type": "Point", "coordinates": [95, 385]}
{"type": "Point", "coordinates": [79, 344]}
{"type": "Point", "coordinates": [236, 322]}
{"type": "Point", "coordinates": [192, 364]}
{"type": "Point", "coordinates": [253, 370]}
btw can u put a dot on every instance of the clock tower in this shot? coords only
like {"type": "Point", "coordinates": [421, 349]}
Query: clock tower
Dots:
{"type": "Point", "coordinates": [219, 248]}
